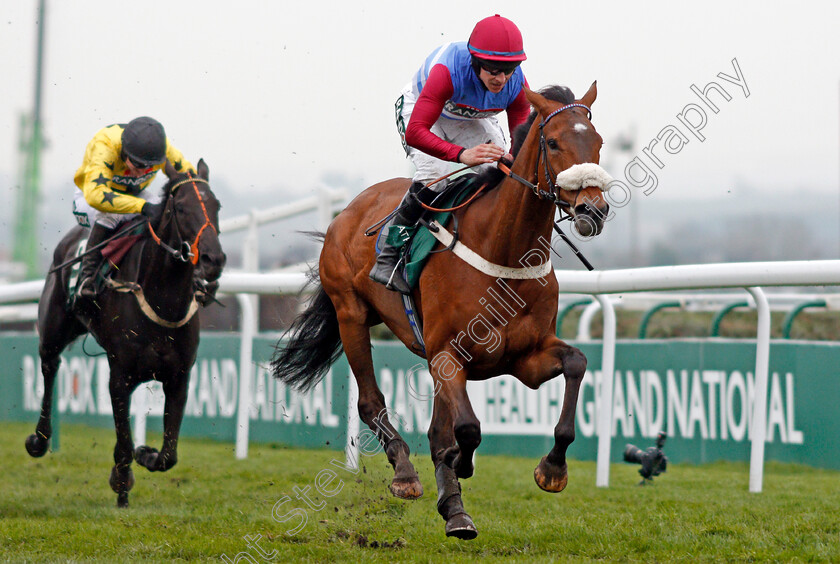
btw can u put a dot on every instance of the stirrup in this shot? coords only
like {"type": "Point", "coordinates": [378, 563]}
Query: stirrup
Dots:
{"type": "Point", "coordinates": [86, 289]}
{"type": "Point", "coordinates": [396, 282]}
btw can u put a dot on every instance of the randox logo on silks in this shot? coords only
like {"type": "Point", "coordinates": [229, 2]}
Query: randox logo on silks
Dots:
{"type": "Point", "coordinates": [469, 112]}
{"type": "Point", "coordinates": [132, 183]}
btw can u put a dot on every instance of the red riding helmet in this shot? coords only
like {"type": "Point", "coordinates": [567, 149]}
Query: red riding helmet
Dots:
{"type": "Point", "coordinates": [496, 39]}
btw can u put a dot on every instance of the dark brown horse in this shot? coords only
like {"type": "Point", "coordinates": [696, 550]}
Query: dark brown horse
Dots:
{"type": "Point", "coordinates": [476, 324]}
{"type": "Point", "coordinates": [146, 320]}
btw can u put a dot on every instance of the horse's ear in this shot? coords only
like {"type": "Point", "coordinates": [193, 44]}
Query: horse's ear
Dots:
{"type": "Point", "coordinates": [169, 170]}
{"type": "Point", "coordinates": [589, 98]}
{"type": "Point", "coordinates": [203, 170]}
{"type": "Point", "coordinates": [538, 101]}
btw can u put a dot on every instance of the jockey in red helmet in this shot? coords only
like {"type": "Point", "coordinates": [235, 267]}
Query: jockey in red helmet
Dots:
{"type": "Point", "coordinates": [119, 163]}
{"type": "Point", "coordinates": [446, 114]}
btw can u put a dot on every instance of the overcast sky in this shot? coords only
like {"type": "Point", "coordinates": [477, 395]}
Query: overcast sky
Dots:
{"type": "Point", "coordinates": [276, 93]}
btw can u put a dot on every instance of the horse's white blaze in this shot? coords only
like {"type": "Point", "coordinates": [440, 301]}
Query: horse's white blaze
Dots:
{"type": "Point", "coordinates": [580, 128]}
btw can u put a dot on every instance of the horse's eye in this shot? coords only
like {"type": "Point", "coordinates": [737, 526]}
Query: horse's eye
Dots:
{"type": "Point", "coordinates": [552, 144]}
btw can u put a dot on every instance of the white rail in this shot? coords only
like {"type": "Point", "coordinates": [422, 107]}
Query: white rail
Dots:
{"type": "Point", "coordinates": [749, 276]}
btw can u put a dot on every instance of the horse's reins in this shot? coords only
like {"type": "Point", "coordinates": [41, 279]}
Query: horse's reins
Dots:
{"type": "Point", "coordinates": [192, 257]}
{"type": "Point", "coordinates": [128, 227]}
{"type": "Point", "coordinates": [192, 250]}
{"type": "Point", "coordinates": [562, 205]}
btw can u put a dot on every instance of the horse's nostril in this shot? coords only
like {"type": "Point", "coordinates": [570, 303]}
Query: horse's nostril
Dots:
{"type": "Point", "coordinates": [215, 261]}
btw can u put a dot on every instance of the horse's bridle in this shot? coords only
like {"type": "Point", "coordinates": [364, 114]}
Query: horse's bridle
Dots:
{"type": "Point", "coordinates": [191, 254]}
{"type": "Point", "coordinates": [547, 170]}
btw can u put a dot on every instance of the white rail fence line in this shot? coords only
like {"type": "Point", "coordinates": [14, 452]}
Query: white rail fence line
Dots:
{"type": "Point", "coordinates": [706, 302]}
{"type": "Point", "coordinates": [324, 202]}
{"type": "Point", "coordinates": [749, 276]}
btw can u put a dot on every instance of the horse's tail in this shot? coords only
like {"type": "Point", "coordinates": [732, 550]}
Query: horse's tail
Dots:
{"type": "Point", "coordinates": [313, 345]}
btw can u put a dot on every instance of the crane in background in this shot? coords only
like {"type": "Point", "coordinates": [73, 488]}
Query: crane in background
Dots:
{"type": "Point", "coordinates": [31, 141]}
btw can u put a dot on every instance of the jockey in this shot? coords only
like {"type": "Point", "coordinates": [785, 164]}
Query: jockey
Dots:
{"type": "Point", "coordinates": [120, 162]}
{"type": "Point", "coordinates": [450, 107]}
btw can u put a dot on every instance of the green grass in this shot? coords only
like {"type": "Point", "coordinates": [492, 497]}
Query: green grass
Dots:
{"type": "Point", "coordinates": [60, 508]}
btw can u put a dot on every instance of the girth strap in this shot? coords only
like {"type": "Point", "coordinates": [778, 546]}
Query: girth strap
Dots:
{"type": "Point", "coordinates": [135, 289]}
{"type": "Point", "coordinates": [482, 265]}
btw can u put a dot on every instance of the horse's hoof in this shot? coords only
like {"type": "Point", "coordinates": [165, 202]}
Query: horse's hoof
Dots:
{"type": "Point", "coordinates": [463, 468]}
{"type": "Point", "coordinates": [406, 489]}
{"type": "Point", "coordinates": [550, 477]}
{"type": "Point", "coordinates": [122, 499]}
{"type": "Point", "coordinates": [461, 526]}
{"type": "Point", "coordinates": [146, 457]}
{"type": "Point", "coordinates": [121, 482]}
{"type": "Point", "coordinates": [37, 445]}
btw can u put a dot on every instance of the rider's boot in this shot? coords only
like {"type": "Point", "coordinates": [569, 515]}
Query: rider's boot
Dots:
{"type": "Point", "coordinates": [386, 270]}
{"type": "Point", "coordinates": [87, 275]}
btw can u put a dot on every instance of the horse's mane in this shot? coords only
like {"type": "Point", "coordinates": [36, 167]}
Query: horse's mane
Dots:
{"type": "Point", "coordinates": [553, 92]}
{"type": "Point", "coordinates": [562, 94]}
{"type": "Point", "coordinates": [493, 176]}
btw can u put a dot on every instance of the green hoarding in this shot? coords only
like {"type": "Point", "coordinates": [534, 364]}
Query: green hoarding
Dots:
{"type": "Point", "coordinates": [699, 391]}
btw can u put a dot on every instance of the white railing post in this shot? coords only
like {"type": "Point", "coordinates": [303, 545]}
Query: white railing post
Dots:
{"type": "Point", "coordinates": [139, 399]}
{"type": "Point", "coordinates": [325, 205]}
{"type": "Point", "coordinates": [762, 367]}
{"type": "Point", "coordinates": [584, 333]}
{"type": "Point", "coordinates": [602, 478]}
{"type": "Point", "coordinates": [251, 259]}
{"type": "Point", "coordinates": [351, 450]}
{"type": "Point", "coordinates": [246, 361]}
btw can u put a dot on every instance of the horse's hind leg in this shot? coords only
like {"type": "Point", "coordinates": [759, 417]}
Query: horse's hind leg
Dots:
{"type": "Point", "coordinates": [122, 478]}
{"type": "Point", "coordinates": [38, 442]}
{"type": "Point", "coordinates": [56, 329]}
{"type": "Point", "coordinates": [356, 340]}
{"type": "Point", "coordinates": [173, 413]}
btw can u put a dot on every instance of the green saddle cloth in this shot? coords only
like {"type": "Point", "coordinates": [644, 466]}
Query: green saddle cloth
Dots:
{"type": "Point", "coordinates": [419, 239]}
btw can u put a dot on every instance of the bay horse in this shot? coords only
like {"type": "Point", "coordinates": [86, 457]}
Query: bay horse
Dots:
{"type": "Point", "coordinates": [467, 337]}
{"type": "Point", "coordinates": [145, 319]}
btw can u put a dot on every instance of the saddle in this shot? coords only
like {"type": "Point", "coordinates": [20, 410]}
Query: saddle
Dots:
{"type": "Point", "coordinates": [417, 242]}
{"type": "Point", "coordinates": [112, 255]}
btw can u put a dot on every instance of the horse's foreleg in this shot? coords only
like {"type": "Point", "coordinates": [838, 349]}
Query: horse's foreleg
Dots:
{"type": "Point", "coordinates": [38, 442]}
{"type": "Point", "coordinates": [454, 435]}
{"type": "Point", "coordinates": [372, 410]}
{"type": "Point", "coordinates": [122, 478]}
{"type": "Point", "coordinates": [173, 414]}
{"type": "Point", "coordinates": [445, 451]}
{"type": "Point", "coordinates": [551, 473]}
{"type": "Point", "coordinates": [465, 427]}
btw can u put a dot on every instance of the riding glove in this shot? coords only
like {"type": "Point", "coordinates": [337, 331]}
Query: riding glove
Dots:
{"type": "Point", "coordinates": [153, 211]}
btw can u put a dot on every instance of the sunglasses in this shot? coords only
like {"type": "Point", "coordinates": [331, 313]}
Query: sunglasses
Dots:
{"type": "Point", "coordinates": [136, 165]}
{"type": "Point", "coordinates": [497, 71]}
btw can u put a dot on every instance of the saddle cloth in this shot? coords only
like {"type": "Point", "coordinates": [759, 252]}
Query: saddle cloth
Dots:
{"type": "Point", "coordinates": [418, 242]}
{"type": "Point", "coordinates": [113, 254]}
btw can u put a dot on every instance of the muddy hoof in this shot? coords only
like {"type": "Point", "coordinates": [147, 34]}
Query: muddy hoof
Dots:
{"type": "Point", "coordinates": [146, 457]}
{"type": "Point", "coordinates": [463, 468]}
{"type": "Point", "coordinates": [122, 499]}
{"type": "Point", "coordinates": [550, 477]}
{"type": "Point", "coordinates": [36, 445]}
{"type": "Point", "coordinates": [461, 526]}
{"type": "Point", "coordinates": [121, 481]}
{"type": "Point", "coordinates": [406, 489]}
